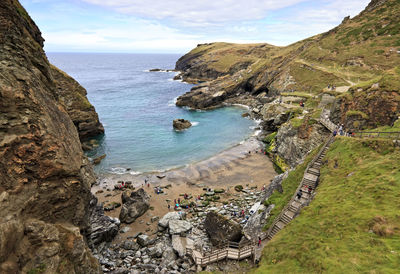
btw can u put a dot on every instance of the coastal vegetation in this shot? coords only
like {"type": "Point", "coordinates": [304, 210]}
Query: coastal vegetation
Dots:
{"type": "Point", "coordinates": [289, 186]}
{"type": "Point", "coordinates": [352, 225]}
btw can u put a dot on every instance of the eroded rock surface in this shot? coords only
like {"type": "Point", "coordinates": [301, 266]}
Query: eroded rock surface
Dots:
{"type": "Point", "coordinates": [45, 178]}
{"type": "Point", "coordinates": [181, 124]}
{"type": "Point", "coordinates": [135, 204]}
{"type": "Point", "coordinates": [220, 229]}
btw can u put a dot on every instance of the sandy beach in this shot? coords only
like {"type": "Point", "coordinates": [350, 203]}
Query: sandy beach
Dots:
{"type": "Point", "coordinates": [243, 164]}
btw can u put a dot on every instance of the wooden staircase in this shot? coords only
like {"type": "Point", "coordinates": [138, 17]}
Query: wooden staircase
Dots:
{"type": "Point", "coordinates": [230, 250]}
{"type": "Point", "coordinates": [310, 179]}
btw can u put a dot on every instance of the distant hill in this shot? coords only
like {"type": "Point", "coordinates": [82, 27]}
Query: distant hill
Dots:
{"type": "Point", "coordinates": [360, 58]}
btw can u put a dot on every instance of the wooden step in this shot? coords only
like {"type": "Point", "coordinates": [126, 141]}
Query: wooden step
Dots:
{"type": "Point", "coordinates": [285, 219]}
{"type": "Point", "coordinates": [313, 171]}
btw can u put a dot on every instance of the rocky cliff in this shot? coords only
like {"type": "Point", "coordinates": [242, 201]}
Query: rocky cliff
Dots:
{"type": "Point", "coordinates": [45, 178]}
{"type": "Point", "coordinates": [352, 70]}
{"type": "Point", "coordinates": [72, 96]}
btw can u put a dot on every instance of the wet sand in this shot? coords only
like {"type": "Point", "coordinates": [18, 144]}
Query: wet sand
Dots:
{"type": "Point", "coordinates": [235, 166]}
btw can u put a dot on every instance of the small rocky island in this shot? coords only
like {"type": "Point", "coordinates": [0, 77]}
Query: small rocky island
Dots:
{"type": "Point", "coordinates": [181, 124]}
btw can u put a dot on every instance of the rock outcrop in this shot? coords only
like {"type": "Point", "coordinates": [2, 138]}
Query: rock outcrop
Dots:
{"type": "Point", "coordinates": [179, 226]}
{"type": "Point", "coordinates": [102, 228]}
{"type": "Point", "coordinates": [220, 229]}
{"type": "Point", "coordinates": [293, 144]}
{"type": "Point", "coordinates": [181, 124]}
{"type": "Point", "coordinates": [73, 97]}
{"type": "Point", "coordinates": [45, 178]}
{"type": "Point", "coordinates": [135, 204]}
{"type": "Point", "coordinates": [164, 221]}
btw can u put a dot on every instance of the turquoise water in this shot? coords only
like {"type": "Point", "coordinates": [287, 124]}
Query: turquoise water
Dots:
{"type": "Point", "coordinates": [137, 108]}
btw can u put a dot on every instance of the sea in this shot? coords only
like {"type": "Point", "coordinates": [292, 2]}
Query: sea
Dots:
{"type": "Point", "coordinates": [137, 108]}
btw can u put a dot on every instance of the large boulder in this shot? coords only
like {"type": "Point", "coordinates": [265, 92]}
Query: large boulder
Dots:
{"type": "Point", "coordinates": [179, 226]}
{"type": "Point", "coordinates": [102, 228]}
{"type": "Point", "coordinates": [135, 204]}
{"type": "Point", "coordinates": [181, 124]}
{"type": "Point", "coordinates": [164, 221]}
{"type": "Point", "coordinates": [143, 240]}
{"type": "Point", "coordinates": [220, 229]}
{"type": "Point", "coordinates": [168, 256]}
{"type": "Point", "coordinates": [178, 246]}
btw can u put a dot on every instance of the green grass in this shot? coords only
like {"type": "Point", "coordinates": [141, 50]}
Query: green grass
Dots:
{"type": "Point", "coordinates": [394, 128]}
{"type": "Point", "coordinates": [297, 94]}
{"type": "Point", "coordinates": [289, 186]}
{"type": "Point", "coordinates": [356, 113]}
{"type": "Point", "coordinates": [353, 224]}
{"type": "Point", "coordinates": [269, 142]}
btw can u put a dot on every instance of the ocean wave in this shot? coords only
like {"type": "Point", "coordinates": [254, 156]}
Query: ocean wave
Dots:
{"type": "Point", "coordinates": [194, 123]}
{"type": "Point", "coordinates": [257, 132]}
{"type": "Point", "coordinates": [135, 172]}
{"type": "Point", "coordinates": [122, 170]}
{"type": "Point", "coordinates": [240, 105]}
{"type": "Point", "coordinates": [172, 102]}
{"type": "Point", "coordinates": [118, 170]}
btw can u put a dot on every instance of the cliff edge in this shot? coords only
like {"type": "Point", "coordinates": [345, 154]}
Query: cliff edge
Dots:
{"type": "Point", "coordinates": [45, 178]}
{"type": "Point", "coordinates": [351, 72]}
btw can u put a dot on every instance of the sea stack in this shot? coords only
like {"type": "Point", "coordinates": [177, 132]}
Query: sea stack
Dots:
{"type": "Point", "coordinates": [181, 124]}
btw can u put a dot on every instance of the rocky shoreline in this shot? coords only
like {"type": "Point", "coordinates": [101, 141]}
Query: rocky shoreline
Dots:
{"type": "Point", "coordinates": [210, 187]}
{"type": "Point", "coordinates": [193, 224]}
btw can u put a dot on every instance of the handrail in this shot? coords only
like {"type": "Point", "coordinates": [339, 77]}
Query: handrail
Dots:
{"type": "Point", "coordinates": [222, 253]}
{"type": "Point", "coordinates": [377, 134]}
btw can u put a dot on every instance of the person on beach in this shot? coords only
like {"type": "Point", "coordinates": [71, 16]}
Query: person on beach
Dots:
{"type": "Point", "coordinates": [179, 200]}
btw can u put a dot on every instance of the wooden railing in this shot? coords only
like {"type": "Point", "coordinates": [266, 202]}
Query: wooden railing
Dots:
{"type": "Point", "coordinates": [371, 134]}
{"type": "Point", "coordinates": [328, 124]}
{"type": "Point", "coordinates": [228, 250]}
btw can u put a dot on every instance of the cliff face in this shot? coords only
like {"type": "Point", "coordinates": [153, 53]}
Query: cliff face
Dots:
{"type": "Point", "coordinates": [45, 179]}
{"type": "Point", "coordinates": [73, 97]}
{"type": "Point", "coordinates": [352, 70]}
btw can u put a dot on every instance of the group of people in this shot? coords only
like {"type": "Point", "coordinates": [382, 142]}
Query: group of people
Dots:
{"type": "Point", "coordinates": [331, 87]}
{"type": "Point", "coordinates": [340, 130]}
{"type": "Point", "coordinates": [300, 192]}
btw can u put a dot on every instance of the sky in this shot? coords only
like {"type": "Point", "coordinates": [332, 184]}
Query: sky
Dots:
{"type": "Point", "coordinates": [177, 26]}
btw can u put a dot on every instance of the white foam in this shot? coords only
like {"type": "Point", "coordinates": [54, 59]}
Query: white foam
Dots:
{"type": "Point", "coordinates": [135, 173]}
{"type": "Point", "coordinates": [118, 170]}
{"type": "Point", "coordinates": [240, 105]}
{"type": "Point", "coordinates": [257, 132]}
{"type": "Point", "coordinates": [194, 123]}
{"type": "Point", "coordinates": [173, 102]}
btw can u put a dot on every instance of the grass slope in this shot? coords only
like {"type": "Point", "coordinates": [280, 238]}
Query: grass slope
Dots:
{"type": "Point", "coordinates": [289, 186]}
{"type": "Point", "coordinates": [353, 225]}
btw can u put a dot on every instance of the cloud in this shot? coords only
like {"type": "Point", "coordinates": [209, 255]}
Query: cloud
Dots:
{"type": "Point", "coordinates": [177, 26]}
{"type": "Point", "coordinates": [135, 35]}
{"type": "Point", "coordinates": [197, 12]}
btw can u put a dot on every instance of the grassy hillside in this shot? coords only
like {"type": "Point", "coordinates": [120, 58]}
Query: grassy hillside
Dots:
{"type": "Point", "coordinates": [360, 53]}
{"type": "Point", "coordinates": [353, 225]}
